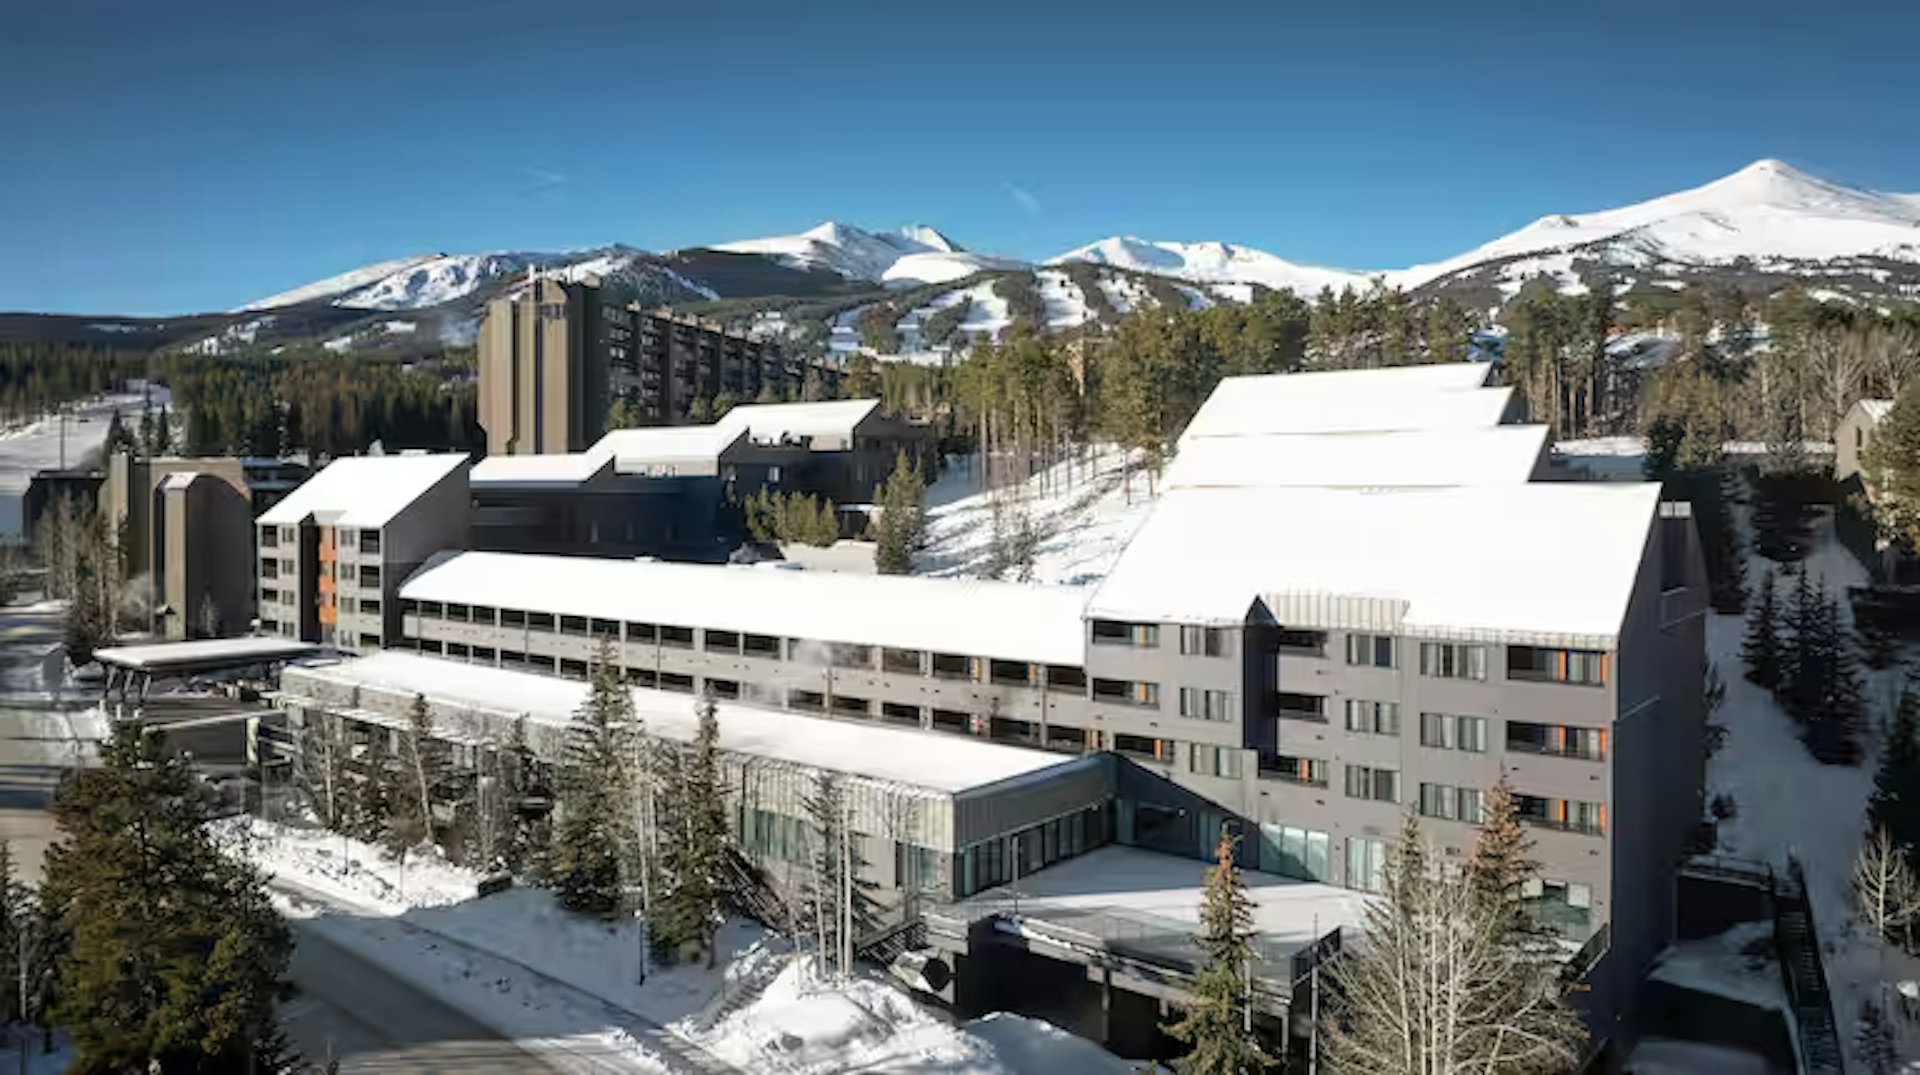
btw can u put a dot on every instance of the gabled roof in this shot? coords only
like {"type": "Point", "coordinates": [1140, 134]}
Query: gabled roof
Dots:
{"type": "Point", "coordinates": [773, 422]}
{"type": "Point", "coordinates": [1445, 396]}
{"type": "Point", "coordinates": [1877, 409]}
{"type": "Point", "coordinates": [364, 490]}
{"type": "Point", "coordinates": [1006, 620]}
{"type": "Point", "coordinates": [633, 449]}
{"type": "Point", "coordinates": [1417, 458]}
{"type": "Point", "coordinates": [1553, 563]}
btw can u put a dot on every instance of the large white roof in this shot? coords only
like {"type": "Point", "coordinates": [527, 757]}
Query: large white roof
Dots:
{"type": "Point", "coordinates": [938, 762]}
{"type": "Point", "coordinates": [557, 469]}
{"type": "Point", "coordinates": [779, 421]}
{"type": "Point", "coordinates": [364, 490]}
{"type": "Point", "coordinates": [1445, 396]}
{"type": "Point", "coordinates": [632, 449]}
{"type": "Point", "coordinates": [160, 656]}
{"type": "Point", "coordinates": [1553, 562]}
{"type": "Point", "coordinates": [1500, 454]}
{"type": "Point", "coordinates": [1005, 620]}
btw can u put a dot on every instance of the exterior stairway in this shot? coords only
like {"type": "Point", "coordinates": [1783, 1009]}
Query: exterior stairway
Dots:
{"type": "Point", "coordinates": [1805, 977]}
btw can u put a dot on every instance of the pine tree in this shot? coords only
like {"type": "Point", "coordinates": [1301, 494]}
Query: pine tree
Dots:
{"type": "Point", "coordinates": [172, 953]}
{"type": "Point", "coordinates": [1729, 584]}
{"type": "Point", "coordinates": [1894, 805]}
{"type": "Point", "coordinates": [1215, 1027]}
{"type": "Point", "coordinates": [837, 890]}
{"type": "Point", "coordinates": [1760, 651]}
{"type": "Point", "coordinates": [1802, 664]}
{"type": "Point", "coordinates": [420, 765]}
{"type": "Point", "coordinates": [1874, 1041]}
{"type": "Point", "coordinates": [899, 529]}
{"type": "Point", "coordinates": [1499, 866]}
{"type": "Point", "coordinates": [696, 842]}
{"type": "Point", "coordinates": [372, 801]}
{"type": "Point", "coordinates": [525, 836]}
{"type": "Point", "coordinates": [595, 834]}
{"type": "Point", "coordinates": [1438, 983]}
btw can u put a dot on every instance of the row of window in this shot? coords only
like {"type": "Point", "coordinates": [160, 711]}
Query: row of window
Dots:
{"type": "Point", "coordinates": [1449, 803]}
{"type": "Point", "coordinates": [1194, 641]}
{"type": "Point", "coordinates": [1449, 731]}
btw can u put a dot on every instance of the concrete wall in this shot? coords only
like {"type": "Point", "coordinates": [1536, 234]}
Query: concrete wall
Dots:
{"type": "Point", "coordinates": [204, 536]}
{"type": "Point", "coordinates": [1850, 442]}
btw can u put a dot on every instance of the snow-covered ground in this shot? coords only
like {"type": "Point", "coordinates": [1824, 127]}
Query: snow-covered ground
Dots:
{"type": "Point", "coordinates": [1789, 804]}
{"type": "Point", "coordinates": [566, 987]}
{"type": "Point", "coordinates": [1082, 510]}
{"type": "Point", "coordinates": [37, 445]}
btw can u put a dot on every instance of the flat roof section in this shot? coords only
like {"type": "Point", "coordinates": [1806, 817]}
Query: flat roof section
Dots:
{"type": "Point", "coordinates": [935, 761]}
{"type": "Point", "coordinates": [538, 471]}
{"type": "Point", "coordinates": [1540, 563]}
{"type": "Point", "coordinates": [779, 421]}
{"type": "Point", "coordinates": [206, 654]}
{"type": "Point", "coordinates": [1126, 893]}
{"type": "Point", "coordinates": [1407, 459]}
{"type": "Point", "coordinates": [971, 617]}
{"type": "Point", "coordinates": [633, 449]}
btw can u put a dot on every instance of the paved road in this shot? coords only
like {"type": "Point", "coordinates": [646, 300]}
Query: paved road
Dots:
{"type": "Point", "coordinates": [373, 1022]}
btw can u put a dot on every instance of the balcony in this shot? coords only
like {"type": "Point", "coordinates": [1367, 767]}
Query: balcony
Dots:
{"type": "Point", "coordinates": [1307, 707]}
{"type": "Point", "coordinates": [1304, 772]}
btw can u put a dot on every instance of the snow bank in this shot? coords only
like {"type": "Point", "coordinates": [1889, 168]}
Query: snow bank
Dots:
{"type": "Point", "coordinates": [1082, 512]}
{"type": "Point", "coordinates": [802, 1025]}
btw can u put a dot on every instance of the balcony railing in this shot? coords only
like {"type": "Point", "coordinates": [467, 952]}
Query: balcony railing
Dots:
{"type": "Point", "coordinates": [1584, 828]}
{"type": "Point", "coordinates": [1548, 750]}
{"type": "Point", "coordinates": [1316, 716]}
{"type": "Point", "coordinates": [1290, 775]}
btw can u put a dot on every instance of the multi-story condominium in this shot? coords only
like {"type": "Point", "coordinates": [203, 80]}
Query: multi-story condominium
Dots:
{"type": "Point", "coordinates": [556, 356]}
{"type": "Point", "coordinates": [1307, 638]}
{"type": "Point", "coordinates": [333, 553]}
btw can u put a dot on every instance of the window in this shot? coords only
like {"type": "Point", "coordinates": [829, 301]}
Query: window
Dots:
{"type": "Point", "coordinates": [269, 597]}
{"type": "Point", "coordinates": [1199, 704]}
{"type": "Point", "coordinates": [1367, 864]}
{"type": "Point", "coordinates": [1295, 852]}
{"type": "Point", "coordinates": [1445, 731]}
{"type": "Point", "coordinates": [286, 568]}
{"type": "Point", "coordinates": [1301, 706]}
{"type": "Point", "coordinates": [720, 642]}
{"type": "Point", "coordinates": [1127, 692]}
{"type": "Point", "coordinates": [345, 606]}
{"type": "Point", "coordinates": [1373, 718]}
{"type": "Point", "coordinates": [1309, 771]}
{"type": "Point", "coordinates": [1566, 907]}
{"type": "Point", "coordinates": [1566, 814]}
{"type": "Point", "coordinates": [843, 655]}
{"type": "Point", "coordinates": [1587, 744]}
{"type": "Point", "coordinates": [1450, 803]}
{"type": "Point", "coordinates": [269, 569]}
{"type": "Point", "coordinates": [1537, 665]}
{"type": "Point", "coordinates": [1453, 660]}
{"type": "Point", "coordinates": [848, 706]}
{"type": "Point", "coordinates": [573, 669]}
{"type": "Point", "coordinates": [946, 720]}
{"type": "Point", "coordinates": [573, 625]}
{"type": "Point", "coordinates": [1380, 785]}
{"type": "Point", "coordinates": [369, 641]}
{"type": "Point", "coordinates": [1115, 633]}
{"type": "Point", "coordinates": [952, 666]}
{"type": "Point", "coordinates": [1012, 673]}
{"type": "Point", "coordinates": [269, 538]}
{"type": "Point", "coordinates": [676, 637]}
{"type": "Point", "coordinates": [676, 681]}
{"type": "Point", "coordinates": [1203, 642]}
{"type": "Point", "coordinates": [1010, 730]}
{"type": "Point", "coordinates": [1302, 643]}
{"type": "Point", "coordinates": [1214, 761]}
{"type": "Point", "coordinates": [902, 661]}
{"type": "Point", "coordinates": [900, 713]}
{"type": "Point", "coordinates": [1144, 747]}
{"type": "Point", "coordinates": [513, 618]}
{"type": "Point", "coordinates": [1066, 678]}
{"type": "Point", "coordinates": [370, 542]}
{"type": "Point", "coordinates": [1371, 651]}
{"type": "Point", "coordinates": [765, 646]}
{"type": "Point", "coordinates": [369, 577]}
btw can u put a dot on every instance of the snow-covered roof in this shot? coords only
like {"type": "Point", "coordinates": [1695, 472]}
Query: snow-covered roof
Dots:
{"type": "Point", "coordinates": [633, 449]}
{"type": "Point", "coordinates": [177, 480]}
{"type": "Point", "coordinates": [1877, 409]}
{"type": "Point", "coordinates": [950, 764]}
{"type": "Point", "coordinates": [364, 490]}
{"type": "Point", "coordinates": [780, 421]}
{"type": "Point", "coordinates": [1365, 460]}
{"type": "Point", "coordinates": [1005, 620]}
{"type": "Point", "coordinates": [1551, 563]}
{"type": "Point", "coordinates": [1445, 396]}
{"type": "Point", "coordinates": [558, 469]}
{"type": "Point", "coordinates": [203, 652]}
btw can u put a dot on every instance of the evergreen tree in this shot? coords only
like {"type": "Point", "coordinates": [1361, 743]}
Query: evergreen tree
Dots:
{"type": "Point", "coordinates": [1874, 1041]}
{"type": "Point", "coordinates": [595, 834]}
{"type": "Point", "coordinates": [1802, 668]}
{"type": "Point", "coordinates": [1894, 805]}
{"type": "Point", "coordinates": [696, 842]}
{"type": "Point", "coordinates": [1499, 866]}
{"type": "Point", "coordinates": [172, 954]}
{"type": "Point", "coordinates": [372, 802]}
{"type": "Point", "coordinates": [1761, 650]}
{"type": "Point", "coordinates": [1729, 584]}
{"type": "Point", "coordinates": [419, 765]}
{"type": "Point", "coordinates": [837, 890]}
{"type": "Point", "coordinates": [901, 524]}
{"type": "Point", "coordinates": [524, 836]}
{"type": "Point", "coordinates": [1215, 1026]}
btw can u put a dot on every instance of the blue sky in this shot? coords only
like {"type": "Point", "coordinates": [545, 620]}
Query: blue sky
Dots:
{"type": "Point", "coordinates": [193, 155]}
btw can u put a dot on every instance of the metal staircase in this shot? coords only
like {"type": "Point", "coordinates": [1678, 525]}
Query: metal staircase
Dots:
{"type": "Point", "coordinates": [1805, 977]}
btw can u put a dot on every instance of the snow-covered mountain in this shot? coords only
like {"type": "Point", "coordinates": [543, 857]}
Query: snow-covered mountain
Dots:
{"type": "Point", "coordinates": [431, 280]}
{"type": "Point", "coordinates": [335, 286]}
{"type": "Point", "coordinates": [1212, 263]}
{"type": "Point", "coordinates": [1769, 214]}
{"type": "Point", "coordinates": [909, 257]}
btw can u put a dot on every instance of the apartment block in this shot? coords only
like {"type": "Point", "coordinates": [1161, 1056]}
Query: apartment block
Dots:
{"type": "Point", "coordinates": [557, 355]}
{"type": "Point", "coordinates": [332, 555]}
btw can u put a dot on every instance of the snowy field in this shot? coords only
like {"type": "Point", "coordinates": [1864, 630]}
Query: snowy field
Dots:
{"type": "Point", "coordinates": [566, 988]}
{"type": "Point", "coordinates": [1789, 804]}
{"type": "Point", "coordinates": [38, 445]}
{"type": "Point", "coordinates": [1084, 511]}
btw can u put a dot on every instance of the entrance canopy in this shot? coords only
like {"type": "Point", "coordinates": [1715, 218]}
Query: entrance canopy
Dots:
{"type": "Point", "coordinates": [203, 655]}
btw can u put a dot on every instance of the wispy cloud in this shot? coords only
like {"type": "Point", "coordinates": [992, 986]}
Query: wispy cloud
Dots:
{"type": "Point", "coordinates": [1025, 199]}
{"type": "Point", "coordinates": [540, 181]}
